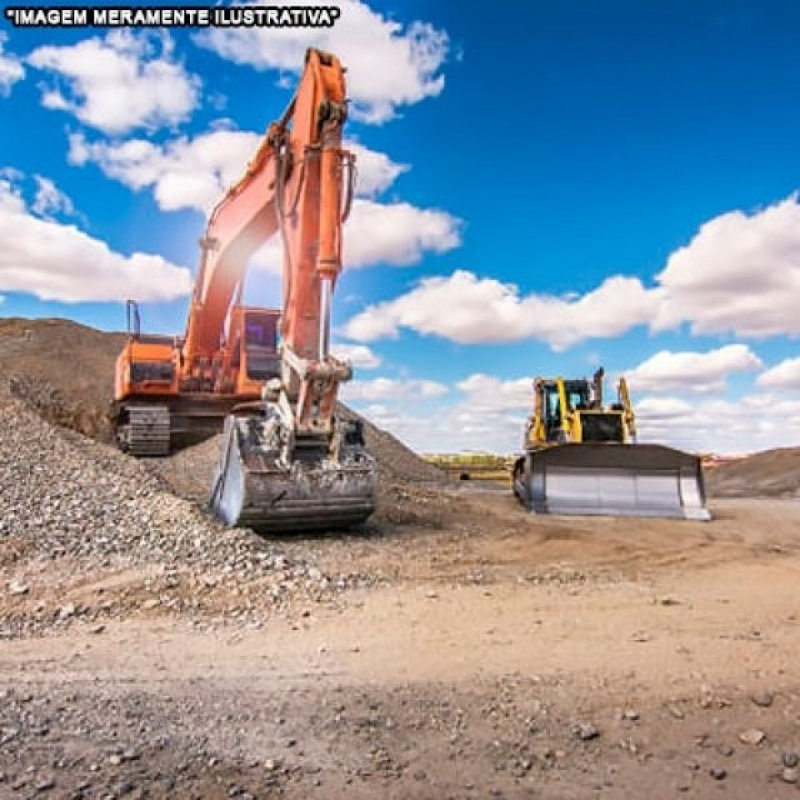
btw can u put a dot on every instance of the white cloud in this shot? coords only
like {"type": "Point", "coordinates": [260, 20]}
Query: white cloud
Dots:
{"type": "Point", "coordinates": [656, 409]}
{"type": "Point", "coordinates": [60, 262]}
{"type": "Point", "coordinates": [694, 372]}
{"type": "Point", "coordinates": [396, 233]}
{"type": "Point", "coordinates": [485, 310]}
{"type": "Point", "coordinates": [119, 83]}
{"type": "Point", "coordinates": [785, 375]}
{"type": "Point", "coordinates": [195, 173]}
{"type": "Point", "coordinates": [375, 171]}
{"type": "Point", "coordinates": [50, 199]}
{"type": "Point", "coordinates": [388, 66]}
{"type": "Point", "coordinates": [183, 173]}
{"type": "Point", "coordinates": [11, 69]}
{"type": "Point", "coordinates": [359, 355]}
{"type": "Point", "coordinates": [389, 388]}
{"type": "Point", "coordinates": [725, 427]}
{"type": "Point", "coordinates": [740, 273]}
{"type": "Point", "coordinates": [486, 392]}
{"type": "Point", "coordinates": [376, 233]}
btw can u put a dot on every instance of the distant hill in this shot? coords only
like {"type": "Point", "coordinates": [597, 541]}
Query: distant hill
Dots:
{"type": "Point", "coordinates": [773, 473]}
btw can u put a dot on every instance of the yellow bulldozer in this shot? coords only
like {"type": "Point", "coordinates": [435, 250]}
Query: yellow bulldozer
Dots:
{"type": "Point", "coordinates": [582, 457]}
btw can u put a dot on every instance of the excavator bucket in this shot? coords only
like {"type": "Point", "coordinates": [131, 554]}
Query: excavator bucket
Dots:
{"type": "Point", "coordinates": [253, 488]}
{"type": "Point", "coordinates": [641, 480]}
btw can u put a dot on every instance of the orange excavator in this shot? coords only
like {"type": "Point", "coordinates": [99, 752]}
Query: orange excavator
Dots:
{"type": "Point", "coordinates": [265, 377]}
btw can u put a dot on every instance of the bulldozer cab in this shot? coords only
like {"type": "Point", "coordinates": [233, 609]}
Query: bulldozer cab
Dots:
{"type": "Point", "coordinates": [572, 411]}
{"type": "Point", "coordinates": [576, 397]}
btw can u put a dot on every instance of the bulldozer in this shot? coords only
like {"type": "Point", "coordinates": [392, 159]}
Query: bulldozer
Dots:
{"type": "Point", "coordinates": [582, 458]}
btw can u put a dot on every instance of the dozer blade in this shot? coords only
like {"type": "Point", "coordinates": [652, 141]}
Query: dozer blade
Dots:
{"type": "Point", "coordinates": [253, 489]}
{"type": "Point", "coordinates": [643, 480]}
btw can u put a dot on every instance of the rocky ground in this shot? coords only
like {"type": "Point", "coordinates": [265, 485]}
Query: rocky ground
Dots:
{"type": "Point", "coordinates": [452, 647]}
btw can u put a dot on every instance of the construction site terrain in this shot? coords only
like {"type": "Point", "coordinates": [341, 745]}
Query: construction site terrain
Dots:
{"type": "Point", "coordinates": [454, 646]}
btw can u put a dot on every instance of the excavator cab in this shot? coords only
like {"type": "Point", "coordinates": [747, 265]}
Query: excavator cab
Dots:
{"type": "Point", "coordinates": [581, 457]}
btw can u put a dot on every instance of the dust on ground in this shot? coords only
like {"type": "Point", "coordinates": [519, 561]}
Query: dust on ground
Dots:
{"type": "Point", "coordinates": [453, 646]}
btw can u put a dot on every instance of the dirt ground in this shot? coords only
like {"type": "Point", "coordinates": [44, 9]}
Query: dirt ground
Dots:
{"type": "Point", "coordinates": [495, 655]}
{"type": "Point", "coordinates": [461, 648]}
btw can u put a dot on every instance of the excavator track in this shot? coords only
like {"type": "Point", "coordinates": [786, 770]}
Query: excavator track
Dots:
{"type": "Point", "coordinates": [146, 431]}
{"type": "Point", "coordinates": [253, 487]}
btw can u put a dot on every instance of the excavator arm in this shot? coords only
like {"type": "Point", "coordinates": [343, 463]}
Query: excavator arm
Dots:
{"type": "Point", "coordinates": [295, 186]}
{"type": "Point", "coordinates": [287, 463]}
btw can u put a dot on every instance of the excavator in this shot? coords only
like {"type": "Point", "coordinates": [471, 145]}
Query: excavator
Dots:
{"type": "Point", "coordinates": [265, 377]}
{"type": "Point", "coordinates": [582, 458]}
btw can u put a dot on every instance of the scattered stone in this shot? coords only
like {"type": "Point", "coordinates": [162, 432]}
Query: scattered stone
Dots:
{"type": "Point", "coordinates": [718, 773]}
{"type": "Point", "coordinates": [790, 759]}
{"type": "Point", "coordinates": [790, 775]}
{"type": "Point", "coordinates": [585, 731]}
{"type": "Point", "coordinates": [676, 711]}
{"type": "Point", "coordinates": [17, 588]}
{"type": "Point", "coordinates": [752, 736]}
{"type": "Point", "coordinates": [763, 698]}
{"type": "Point", "coordinates": [115, 759]}
{"type": "Point", "coordinates": [726, 750]}
{"type": "Point", "coordinates": [67, 611]}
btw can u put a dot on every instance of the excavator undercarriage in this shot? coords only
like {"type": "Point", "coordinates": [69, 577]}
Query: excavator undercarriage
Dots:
{"type": "Point", "coordinates": [582, 458]}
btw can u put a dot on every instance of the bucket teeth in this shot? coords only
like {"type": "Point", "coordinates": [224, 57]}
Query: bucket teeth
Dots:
{"type": "Point", "coordinates": [253, 488]}
{"type": "Point", "coordinates": [612, 480]}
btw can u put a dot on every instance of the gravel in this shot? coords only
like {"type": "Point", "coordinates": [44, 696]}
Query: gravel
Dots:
{"type": "Point", "coordinates": [69, 500]}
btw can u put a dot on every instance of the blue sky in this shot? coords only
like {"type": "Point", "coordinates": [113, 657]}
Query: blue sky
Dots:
{"type": "Point", "coordinates": [544, 187]}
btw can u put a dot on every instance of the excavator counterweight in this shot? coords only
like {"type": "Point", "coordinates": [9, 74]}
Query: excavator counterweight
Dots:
{"type": "Point", "coordinates": [582, 458]}
{"type": "Point", "coordinates": [265, 377]}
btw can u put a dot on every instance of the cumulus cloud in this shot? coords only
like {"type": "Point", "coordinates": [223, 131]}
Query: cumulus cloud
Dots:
{"type": "Point", "coordinates": [359, 355]}
{"type": "Point", "coordinates": [60, 262]}
{"type": "Point", "coordinates": [391, 388]}
{"type": "Point", "coordinates": [740, 274]}
{"type": "Point", "coordinates": [195, 173]}
{"type": "Point", "coordinates": [486, 310]}
{"type": "Point", "coordinates": [118, 83]}
{"type": "Point", "coordinates": [486, 392]}
{"type": "Point", "coordinates": [388, 65]}
{"type": "Point", "coordinates": [398, 234]}
{"type": "Point", "coordinates": [375, 171]}
{"type": "Point", "coordinates": [726, 427]}
{"type": "Point", "coordinates": [690, 371]}
{"type": "Point", "coordinates": [183, 173]}
{"type": "Point", "coordinates": [785, 375]}
{"type": "Point", "coordinates": [11, 69]}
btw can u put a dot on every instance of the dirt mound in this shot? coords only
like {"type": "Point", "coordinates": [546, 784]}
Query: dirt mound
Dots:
{"type": "Point", "coordinates": [65, 372]}
{"type": "Point", "coordinates": [773, 473]}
